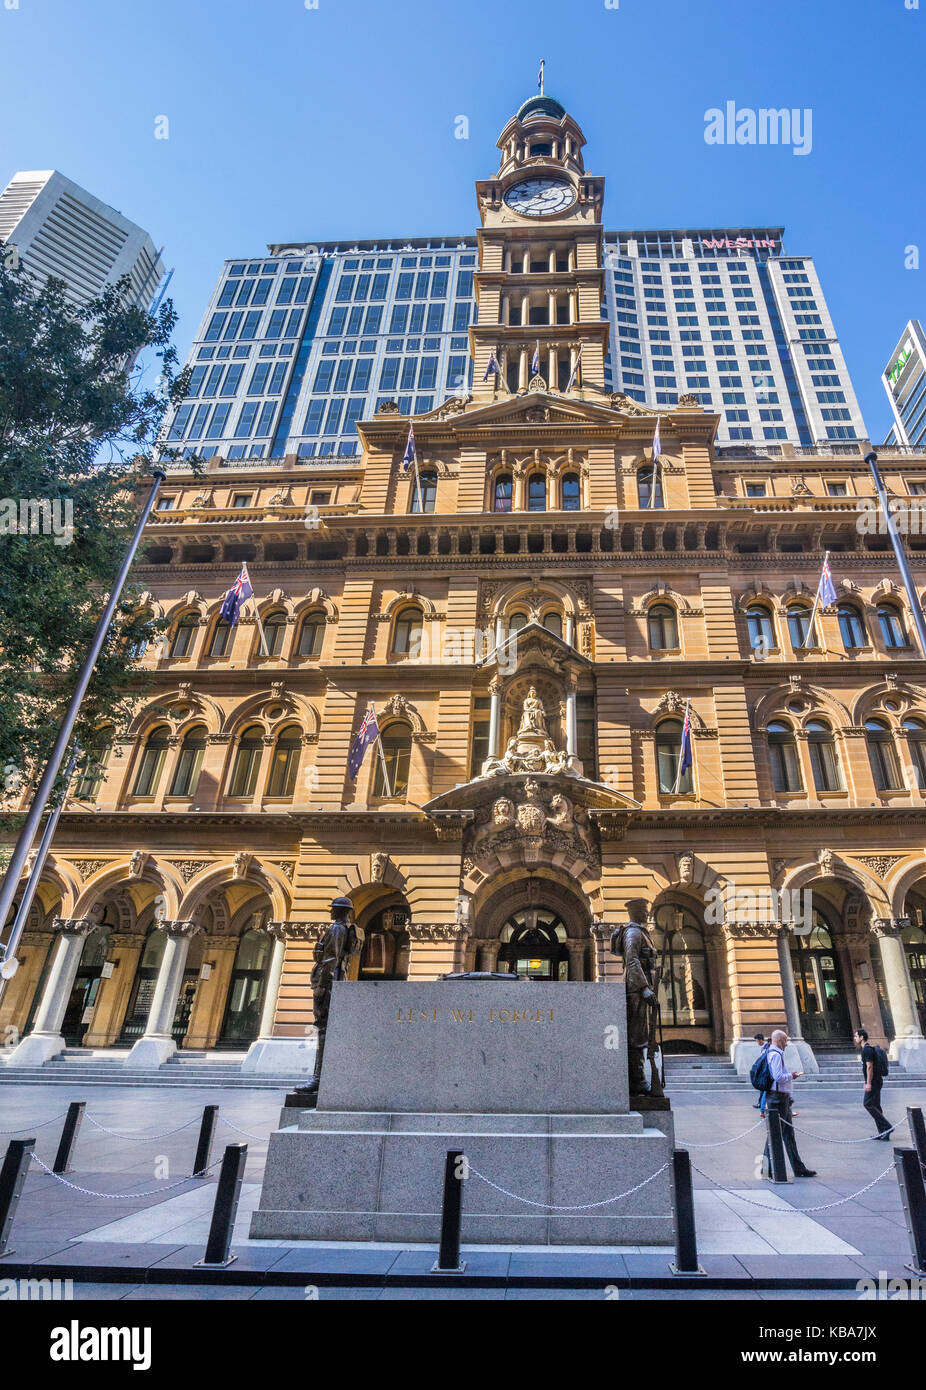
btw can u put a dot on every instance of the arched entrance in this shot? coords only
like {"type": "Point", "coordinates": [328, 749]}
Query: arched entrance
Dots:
{"type": "Point", "coordinates": [914, 944]}
{"type": "Point", "coordinates": [534, 945]}
{"type": "Point", "coordinates": [818, 979]}
{"type": "Point", "coordinates": [245, 998]}
{"type": "Point", "coordinates": [385, 946]}
{"type": "Point", "coordinates": [86, 986]}
{"type": "Point", "coordinates": [143, 985]}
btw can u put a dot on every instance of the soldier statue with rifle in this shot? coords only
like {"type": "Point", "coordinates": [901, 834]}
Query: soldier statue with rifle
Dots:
{"type": "Point", "coordinates": [642, 971]}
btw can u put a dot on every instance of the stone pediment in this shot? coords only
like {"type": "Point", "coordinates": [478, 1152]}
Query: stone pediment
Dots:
{"type": "Point", "coordinates": [534, 644]}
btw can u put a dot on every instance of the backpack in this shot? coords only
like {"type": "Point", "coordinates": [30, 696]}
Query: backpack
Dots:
{"type": "Point", "coordinates": [881, 1063]}
{"type": "Point", "coordinates": [760, 1073]}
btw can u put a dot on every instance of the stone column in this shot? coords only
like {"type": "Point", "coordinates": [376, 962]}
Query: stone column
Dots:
{"type": "Point", "coordinates": [569, 631]}
{"type": "Point", "coordinates": [576, 951]}
{"type": "Point", "coordinates": [488, 955]}
{"type": "Point", "coordinates": [571, 725]}
{"type": "Point", "coordinates": [267, 1053]}
{"type": "Point", "coordinates": [45, 1040]}
{"type": "Point", "coordinates": [157, 1043]}
{"type": "Point", "coordinates": [909, 1046]}
{"type": "Point", "coordinates": [494, 717]}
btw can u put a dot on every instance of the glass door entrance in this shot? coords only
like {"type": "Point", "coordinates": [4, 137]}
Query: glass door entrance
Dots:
{"type": "Point", "coordinates": [534, 945]}
{"type": "Point", "coordinates": [820, 994]}
{"type": "Point", "coordinates": [85, 988]}
{"type": "Point", "coordinates": [246, 990]}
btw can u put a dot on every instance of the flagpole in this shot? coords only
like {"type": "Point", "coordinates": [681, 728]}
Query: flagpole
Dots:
{"type": "Point", "coordinates": [260, 626]}
{"type": "Point", "coordinates": [816, 599]}
{"type": "Point", "coordinates": [652, 491]}
{"type": "Point", "coordinates": [382, 754]}
{"type": "Point", "coordinates": [56, 757]}
{"type": "Point", "coordinates": [418, 486]}
{"type": "Point", "coordinates": [681, 750]}
{"type": "Point", "coordinates": [915, 606]}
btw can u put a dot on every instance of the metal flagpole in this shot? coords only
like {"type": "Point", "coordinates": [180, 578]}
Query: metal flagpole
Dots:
{"type": "Point", "coordinates": [816, 598]}
{"type": "Point", "coordinates": [575, 368]}
{"type": "Point", "coordinates": [56, 757]}
{"type": "Point", "coordinates": [382, 754]}
{"type": "Point", "coordinates": [652, 491]}
{"type": "Point", "coordinates": [915, 607]}
{"type": "Point", "coordinates": [260, 626]}
{"type": "Point", "coordinates": [418, 486]}
{"type": "Point", "coordinates": [681, 751]}
{"type": "Point", "coordinates": [8, 951]}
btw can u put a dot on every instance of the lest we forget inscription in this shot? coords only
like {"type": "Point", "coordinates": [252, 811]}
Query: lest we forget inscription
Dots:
{"type": "Point", "coordinates": [528, 1047]}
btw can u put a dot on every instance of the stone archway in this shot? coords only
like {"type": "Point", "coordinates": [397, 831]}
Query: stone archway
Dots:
{"type": "Point", "coordinates": [537, 913]}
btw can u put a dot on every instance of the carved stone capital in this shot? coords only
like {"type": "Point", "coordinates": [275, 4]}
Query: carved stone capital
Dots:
{"type": "Point", "coordinates": [437, 931]}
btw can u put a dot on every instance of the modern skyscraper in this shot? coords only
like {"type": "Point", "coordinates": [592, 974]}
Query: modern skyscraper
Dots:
{"type": "Point", "coordinates": [60, 229]}
{"type": "Point", "coordinates": [904, 380]}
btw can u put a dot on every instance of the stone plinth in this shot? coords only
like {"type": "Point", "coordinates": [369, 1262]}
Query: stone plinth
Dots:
{"type": "Point", "coordinates": [527, 1078]}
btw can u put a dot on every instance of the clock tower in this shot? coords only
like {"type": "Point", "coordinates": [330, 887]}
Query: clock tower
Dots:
{"type": "Point", "coordinates": [540, 282]}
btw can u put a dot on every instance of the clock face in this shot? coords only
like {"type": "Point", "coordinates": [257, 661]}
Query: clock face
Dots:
{"type": "Point", "coordinates": [540, 197]}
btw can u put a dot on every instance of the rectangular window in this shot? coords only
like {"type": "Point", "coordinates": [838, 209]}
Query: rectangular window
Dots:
{"type": "Point", "coordinates": [342, 377]}
{"type": "Point", "coordinates": [464, 284]}
{"type": "Point", "coordinates": [287, 290]}
{"type": "Point", "coordinates": [313, 419]}
{"type": "Point", "coordinates": [181, 420]}
{"type": "Point", "coordinates": [259, 379]}
{"type": "Point", "coordinates": [372, 322]}
{"type": "Point", "coordinates": [405, 285]}
{"type": "Point", "coordinates": [266, 418]}
{"type": "Point", "coordinates": [277, 379]}
{"type": "Point", "coordinates": [217, 423]}
{"type": "Point", "coordinates": [389, 377]}
{"type": "Point", "coordinates": [409, 370]}
{"type": "Point", "coordinates": [232, 379]}
{"type": "Point", "coordinates": [199, 421]}
{"type": "Point", "coordinates": [227, 297]}
{"type": "Point", "coordinates": [216, 324]}
{"type": "Point", "coordinates": [246, 420]}
{"type": "Point", "coordinates": [345, 289]}
{"type": "Point", "coordinates": [363, 370]}
{"type": "Point", "coordinates": [333, 418]}
{"type": "Point", "coordinates": [323, 376]}
{"type": "Point", "coordinates": [211, 387]}
{"type": "Point", "coordinates": [435, 322]}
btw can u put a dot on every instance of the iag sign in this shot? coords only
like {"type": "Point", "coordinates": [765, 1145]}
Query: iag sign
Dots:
{"type": "Point", "coordinates": [893, 372]}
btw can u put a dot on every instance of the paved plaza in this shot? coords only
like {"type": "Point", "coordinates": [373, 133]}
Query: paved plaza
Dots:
{"type": "Point", "coordinates": [154, 1218]}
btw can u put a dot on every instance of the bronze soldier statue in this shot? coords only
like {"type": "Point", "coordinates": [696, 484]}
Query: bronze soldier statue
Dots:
{"type": "Point", "coordinates": [632, 942]}
{"type": "Point", "coordinates": [333, 951]}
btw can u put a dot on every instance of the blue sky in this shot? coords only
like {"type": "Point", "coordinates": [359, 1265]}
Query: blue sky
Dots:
{"type": "Point", "coordinates": [291, 123]}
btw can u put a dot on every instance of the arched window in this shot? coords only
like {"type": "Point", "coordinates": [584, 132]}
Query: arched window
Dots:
{"type": "Point", "coordinates": [534, 945]}
{"type": "Point", "coordinates": [408, 632]}
{"type": "Point", "coordinates": [397, 749]}
{"type": "Point", "coordinates": [662, 627]}
{"type": "Point", "coordinates": [152, 762]}
{"type": "Point", "coordinates": [285, 762]}
{"type": "Point", "coordinates": [882, 755]}
{"type": "Point", "coordinates": [782, 751]}
{"type": "Point", "coordinates": [537, 492]}
{"type": "Point", "coordinates": [311, 635]}
{"type": "Point", "coordinates": [799, 627]}
{"type": "Point", "coordinates": [760, 627]}
{"type": "Point", "coordinates": [247, 762]}
{"type": "Point", "coordinates": [385, 946]}
{"type": "Point", "coordinates": [274, 630]}
{"type": "Point", "coordinates": [645, 487]}
{"type": "Point", "coordinates": [221, 639]}
{"type": "Point", "coordinates": [501, 493]}
{"type": "Point", "coordinates": [915, 730]}
{"type": "Point", "coordinates": [668, 756]}
{"type": "Point", "coordinates": [186, 773]}
{"type": "Point", "coordinates": [181, 639]}
{"type": "Point", "coordinates": [892, 628]}
{"type": "Point", "coordinates": [515, 622]}
{"type": "Point", "coordinates": [137, 649]}
{"type": "Point", "coordinates": [93, 767]}
{"type": "Point", "coordinates": [572, 493]}
{"type": "Point", "coordinates": [823, 760]}
{"type": "Point", "coordinates": [851, 627]}
{"type": "Point", "coordinates": [684, 992]}
{"type": "Point", "coordinates": [428, 483]}
{"type": "Point", "coordinates": [553, 622]}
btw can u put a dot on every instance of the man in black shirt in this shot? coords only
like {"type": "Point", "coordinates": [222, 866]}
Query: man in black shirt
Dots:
{"type": "Point", "coordinates": [873, 1080]}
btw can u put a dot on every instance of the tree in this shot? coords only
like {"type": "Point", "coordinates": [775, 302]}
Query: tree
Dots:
{"type": "Point", "coordinates": [78, 428]}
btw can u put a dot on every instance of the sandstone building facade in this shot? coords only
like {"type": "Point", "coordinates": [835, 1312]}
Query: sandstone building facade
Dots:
{"type": "Point", "coordinates": [530, 614]}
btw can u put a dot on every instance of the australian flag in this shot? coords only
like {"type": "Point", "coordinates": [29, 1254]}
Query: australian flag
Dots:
{"type": "Point", "coordinates": [657, 443]}
{"type": "Point", "coordinates": [408, 458]}
{"type": "Point", "coordinates": [535, 360]}
{"type": "Point", "coordinates": [684, 760]}
{"type": "Point", "coordinates": [492, 367]}
{"type": "Point", "coordinates": [368, 733]}
{"type": "Point", "coordinates": [827, 587]}
{"type": "Point", "coordinates": [238, 594]}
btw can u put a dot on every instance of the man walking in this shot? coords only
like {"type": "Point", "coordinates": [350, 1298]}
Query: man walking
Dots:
{"type": "Point", "coordinates": [871, 1071]}
{"type": "Point", "coordinates": [779, 1100]}
{"type": "Point", "coordinates": [761, 1044]}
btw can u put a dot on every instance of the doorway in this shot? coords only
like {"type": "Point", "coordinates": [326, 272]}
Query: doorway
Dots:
{"type": "Point", "coordinates": [821, 995]}
{"type": "Point", "coordinates": [534, 945]}
{"type": "Point", "coordinates": [85, 988]}
{"type": "Point", "coordinates": [246, 989]}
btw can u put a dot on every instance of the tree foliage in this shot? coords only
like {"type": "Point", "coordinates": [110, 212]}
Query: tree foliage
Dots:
{"type": "Point", "coordinates": [78, 430]}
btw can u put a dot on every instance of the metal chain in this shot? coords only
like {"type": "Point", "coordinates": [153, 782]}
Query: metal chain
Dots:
{"type": "Point", "coordinates": [719, 1145]}
{"type": "Point", "coordinates": [140, 1138]}
{"type": "Point", "coordinates": [121, 1196]}
{"type": "Point", "coordinates": [551, 1206]}
{"type": "Point", "coordinates": [800, 1211]}
{"type": "Point", "coordinates": [261, 1138]}
{"type": "Point", "coordinates": [21, 1129]}
{"type": "Point", "coordinates": [865, 1139]}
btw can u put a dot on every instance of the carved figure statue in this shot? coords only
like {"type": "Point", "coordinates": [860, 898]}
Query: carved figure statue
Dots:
{"type": "Point", "coordinates": [333, 951]}
{"type": "Point", "coordinates": [632, 942]}
{"type": "Point", "coordinates": [532, 715]}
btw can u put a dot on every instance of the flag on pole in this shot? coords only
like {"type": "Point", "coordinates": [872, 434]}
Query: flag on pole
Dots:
{"type": "Point", "coordinates": [657, 444]}
{"type": "Point", "coordinates": [408, 458]}
{"type": "Point", "coordinates": [535, 360]}
{"type": "Point", "coordinates": [238, 594]}
{"type": "Point", "coordinates": [827, 589]}
{"type": "Point", "coordinates": [657, 449]}
{"type": "Point", "coordinates": [540, 76]}
{"type": "Point", "coordinates": [575, 369]}
{"type": "Point", "coordinates": [492, 367]}
{"type": "Point", "coordinates": [684, 753]}
{"type": "Point", "coordinates": [368, 733]}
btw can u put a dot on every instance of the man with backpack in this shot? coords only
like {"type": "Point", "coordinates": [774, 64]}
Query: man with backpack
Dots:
{"type": "Point", "coordinates": [769, 1074]}
{"type": "Point", "coordinates": [874, 1070]}
{"type": "Point", "coordinates": [762, 1044]}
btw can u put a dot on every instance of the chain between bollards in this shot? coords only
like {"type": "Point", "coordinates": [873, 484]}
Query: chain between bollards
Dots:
{"type": "Point", "coordinates": [12, 1178]}
{"type": "Point", "coordinates": [448, 1259]}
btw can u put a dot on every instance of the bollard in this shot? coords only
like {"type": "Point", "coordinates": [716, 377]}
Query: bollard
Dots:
{"type": "Point", "coordinates": [448, 1259]}
{"type": "Point", "coordinates": [227, 1194]}
{"type": "Point", "coordinates": [62, 1163]}
{"type": "Point", "coordinates": [206, 1136]}
{"type": "Point", "coordinates": [913, 1196]}
{"type": "Point", "coordinates": [686, 1241]}
{"type": "Point", "coordinates": [918, 1132]}
{"type": "Point", "coordinates": [776, 1146]}
{"type": "Point", "coordinates": [12, 1177]}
